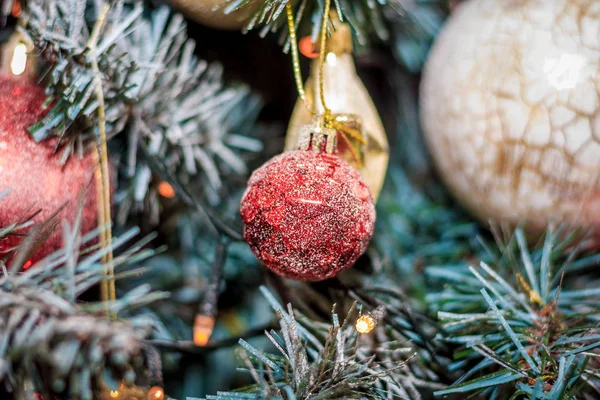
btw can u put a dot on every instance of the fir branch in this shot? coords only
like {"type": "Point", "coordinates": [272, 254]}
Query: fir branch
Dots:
{"type": "Point", "coordinates": [20, 224]}
{"type": "Point", "coordinates": [24, 226]}
{"type": "Point", "coordinates": [408, 326]}
{"type": "Point", "coordinates": [364, 16]}
{"type": "Point", "coordinates": [187, 119]}
{"type": "Point", "coordinates": [410, 24]}
{"type": "Point", "coordinates": [61, 32]}
{"type": "Point", "coordinates": [402, 329]}
{"type": "Point", "coordinates": [416, 230]}
{"type": "Point", "coordinates": [327, 364]}
{"type": "Point", "coordinates": [186, 276]}
{"type": "Point", "coordinates": [51, 344]}
{"type": "Point", "coordinates": [155, 91]}
{"type": "Point", "coordinates": [525, 325]}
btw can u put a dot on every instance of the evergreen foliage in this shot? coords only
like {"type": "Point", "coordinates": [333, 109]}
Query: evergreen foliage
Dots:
{"type": "Point", "coordinates": [458, 315]}
{"type": "Point", "coordinates": [525, 324]}
{"type": "Point", "coordinates": [178, 117]}
{"type": "Point", "coordinates": [53, 344]}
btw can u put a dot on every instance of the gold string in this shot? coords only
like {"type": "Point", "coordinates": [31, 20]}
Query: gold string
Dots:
{"type": "Point", "coordinates": [322, 52]}
{"type": "Point", "coordinates": [107, 288]}
{"type": "Point", "coordinates": [295, 57]}
{"type": "Point", "coordinates": [328, 119]}
{"type": "Point", "coordinates": [296, 60]}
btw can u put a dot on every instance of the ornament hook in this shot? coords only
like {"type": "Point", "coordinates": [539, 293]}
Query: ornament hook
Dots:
{"type": "Point", "coordinates": [317, 137]}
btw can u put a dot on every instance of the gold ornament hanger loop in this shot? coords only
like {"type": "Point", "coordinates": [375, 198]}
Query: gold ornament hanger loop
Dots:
{"type": "Point", "coordinates": [295, 57]}
{"type": "Point", "coordinates": [327, 117]}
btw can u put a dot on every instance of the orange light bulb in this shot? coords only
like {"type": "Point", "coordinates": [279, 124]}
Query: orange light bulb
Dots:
{"type": "Point", "coordinates": [307, 47]}
{"type": "Point", "coordinates": [16, 9]}
{"type": "Point", "coordinates": [166, 190]}
{"type": "Point", "coordinates": [203, 328]}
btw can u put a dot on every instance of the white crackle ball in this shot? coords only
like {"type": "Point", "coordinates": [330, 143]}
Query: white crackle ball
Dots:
{"type": "Point", "coordinates": [510, 110]}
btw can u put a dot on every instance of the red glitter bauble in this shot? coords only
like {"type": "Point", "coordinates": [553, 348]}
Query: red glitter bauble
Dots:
{"type": "Point", "coordinates": [307, 215]}
{"type": "Point", "coordinates": [33, 172]}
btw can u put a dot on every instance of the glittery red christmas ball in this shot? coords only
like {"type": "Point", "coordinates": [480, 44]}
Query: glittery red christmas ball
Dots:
{"type": "Point", "coordinates": [307, 215]}
{"type": "Point", "coordinates": [33, 172]}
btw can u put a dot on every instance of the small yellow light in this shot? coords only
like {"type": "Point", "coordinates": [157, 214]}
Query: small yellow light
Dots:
{"type": "Point", "coordinates": [365, 323]}
{"type": "Point", "coordinates": [201, 339]}
{"type": "Point", "coordinates": [166, 190]}
{"type": "Point", "coordinates": [203, 328]}
{"type": "Point", "coordinates": [19, 59]}
{"type": "Point", "coordinates": [156, 393]}
{"type": "Point", "coordinates": [114, 394]}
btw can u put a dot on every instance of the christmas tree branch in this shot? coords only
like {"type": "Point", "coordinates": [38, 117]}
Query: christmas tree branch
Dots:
{"type": "Point", "coordinates": [526, 325]}
{"type": "Point", "coordinates": [337, 368]}
{"type": "Point", "coordinates": [53, 345]}
{"type": "Point", "coordinates": [21, 223]}
{"type": "Point", "coordinates": [155, 91]}
{"type": "Point", "coordinates": [365, 17]}
{"type": "Point", "coordinates": [215, 224]}
{"type": "Point", "coordinates": [34, 234]}
{"type": "Point", "coordinates": [409, 25]}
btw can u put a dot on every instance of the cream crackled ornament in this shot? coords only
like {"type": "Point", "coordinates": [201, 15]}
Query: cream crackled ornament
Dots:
{"type": "Point", "coordinates": [510, 110]}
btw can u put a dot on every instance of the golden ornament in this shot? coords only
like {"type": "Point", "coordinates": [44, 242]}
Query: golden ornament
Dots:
{"type": "Point", "coordinates": [352, 110]}
{"type": "Point", "coordinates": [510, 110]}
{"type": "Point", "coordinates": [212, 13]}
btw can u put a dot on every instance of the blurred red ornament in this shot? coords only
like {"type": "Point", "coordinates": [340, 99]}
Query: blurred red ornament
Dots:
{"type": "Point", "coordinates": [307, 215]}
{"type": "Point", "coordinates": [33, 172]}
